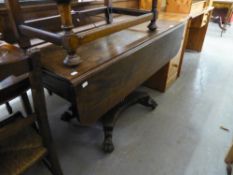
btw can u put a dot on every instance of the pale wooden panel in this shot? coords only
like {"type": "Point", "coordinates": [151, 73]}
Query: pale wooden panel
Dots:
{"type": "Point", "coordinates": [198, 7]}
{"type": "Point", "coordinates": [146, 4]}
{"type": "Point", "coordinates": [178, 6]}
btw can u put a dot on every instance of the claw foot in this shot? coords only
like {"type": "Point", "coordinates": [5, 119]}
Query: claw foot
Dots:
{"type": "Point", "coordinates": [148, 102]}
{"type": "Point", "coordinates": [108, 146]}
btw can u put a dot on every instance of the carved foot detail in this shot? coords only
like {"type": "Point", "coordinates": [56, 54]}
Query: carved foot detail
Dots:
{"type": "Point", "coordinates": [111, 117]}
{"type": "Point", "coordinates": [148, 102]}
{"type": "Point", "coordinates": [108, 146]}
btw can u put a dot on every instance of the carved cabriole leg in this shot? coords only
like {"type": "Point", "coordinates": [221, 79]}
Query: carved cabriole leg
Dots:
{"type": "Point", "coordinates": [111, 117]}
{"type": "Point", "coordinates": [152, 26]}
{"type": "Point", "coordinates": [70, 40]}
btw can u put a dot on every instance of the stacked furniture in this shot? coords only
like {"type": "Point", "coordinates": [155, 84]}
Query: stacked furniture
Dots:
{"type": "Point", "coordinates": [222, 13]}
{"type": "Point", "coordinates": [98, 70]}
{"type": "Point", "coordinates": [199, 16]}
{"type": "Point", "coordinates": [25, 140]}
{"type": "Point", "coordinates": [16, 84]}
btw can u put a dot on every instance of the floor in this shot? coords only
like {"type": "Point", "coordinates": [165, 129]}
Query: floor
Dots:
{"type": "Point", "coordinates": [181, 137]}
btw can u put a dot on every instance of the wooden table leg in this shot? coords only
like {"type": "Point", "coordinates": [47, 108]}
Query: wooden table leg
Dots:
{"type": "Point", "coordinates": [109, 119]}
{"type": "Point", "coordinates": [69, 114]}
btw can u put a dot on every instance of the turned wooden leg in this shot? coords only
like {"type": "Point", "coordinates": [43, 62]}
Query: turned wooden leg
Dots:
{"type": "Point", "coordinates": [111, 117]}
{"type": "Point", "coordinates": [27, 107]}
{"type": "Point", "coordinates": [152, 26]}
{"type": "Point", "coordinates": [69, 114]}
{"type": "Point", "coordinates": [108, 11]}
{"type": "Point", "coordinates": [9, 108]}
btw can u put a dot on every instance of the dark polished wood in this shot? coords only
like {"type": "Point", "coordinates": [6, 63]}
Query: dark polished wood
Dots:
{"type": "Point", "coordinates": [110, 118]}
{"type": "Point", "coordinates": [107, 68]}
{"type": "Point", "coordinates": [113, 67]}
{"type": "Point", "coordinates": [13, 86]}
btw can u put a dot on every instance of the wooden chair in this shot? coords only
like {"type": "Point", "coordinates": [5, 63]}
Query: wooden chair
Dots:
{"type": "Point", "coordinates": [21, 145]}
{"type": "Point", "coordinates": [13, 83]}
{"type": "Point", "coordinates": [14, 87]}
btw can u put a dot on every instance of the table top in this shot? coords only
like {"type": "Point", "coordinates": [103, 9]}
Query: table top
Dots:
{"type": "Point", "coordinates": [100, 53]}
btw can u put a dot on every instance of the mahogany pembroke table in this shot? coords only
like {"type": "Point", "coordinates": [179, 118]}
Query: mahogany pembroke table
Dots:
{"type": "Point", "coordinates": [112, 68]}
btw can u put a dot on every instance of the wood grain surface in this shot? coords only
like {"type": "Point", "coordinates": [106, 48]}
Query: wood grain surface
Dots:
{"type": "Point", "coordinates": [112, 66]}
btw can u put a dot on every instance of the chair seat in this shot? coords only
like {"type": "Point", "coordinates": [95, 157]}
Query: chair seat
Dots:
{"type": "Point", "coordinates": [14, 124]}
{"type": "Point", "coordinates": [21, 151]}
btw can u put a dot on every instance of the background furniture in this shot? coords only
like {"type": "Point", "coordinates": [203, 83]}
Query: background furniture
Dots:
{"type": "Point", "coordinates": [223, 12]}
{"type": "Point", "coordinates": [193, 38]}
{"type": "Point", "coordinates": [21, 145]}
{"type": "Point", "coordinates": [15, 86]}
{"type": "Point", "coordinates": [69, 39]}
{"type": "Point", "coordinates": [36, 9]}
